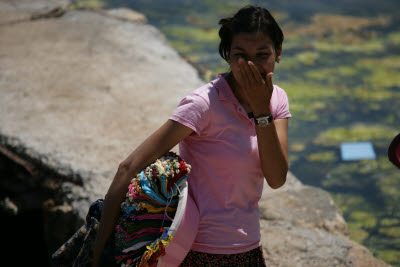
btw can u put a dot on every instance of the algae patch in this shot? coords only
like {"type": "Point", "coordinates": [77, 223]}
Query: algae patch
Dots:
{"type": "Point", "coordinates": [353, 133]}
{"type": "Point", "coordinates": [88, 4]}
{"type": "Point", "coordinates": [325, 156]}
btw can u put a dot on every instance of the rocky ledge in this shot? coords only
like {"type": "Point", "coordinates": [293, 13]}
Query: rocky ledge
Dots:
{"type": "Point", "coordinates": [80, 89]}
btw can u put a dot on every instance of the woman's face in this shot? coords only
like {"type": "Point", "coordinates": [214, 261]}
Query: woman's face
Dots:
{"type": "Point", "coordinates": [256, 47]}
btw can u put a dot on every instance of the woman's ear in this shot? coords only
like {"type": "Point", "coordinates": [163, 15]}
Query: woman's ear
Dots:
{"type": "Point", "coordinates": [278, 54]}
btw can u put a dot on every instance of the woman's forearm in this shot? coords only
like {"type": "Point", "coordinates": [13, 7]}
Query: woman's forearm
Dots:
{"type": "Point", "coordinates": [272, 146]}
{"type": "Point", "coordinates": [115, 196]}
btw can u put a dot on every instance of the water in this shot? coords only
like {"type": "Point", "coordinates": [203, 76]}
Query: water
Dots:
{"type": "Point", "coordinates": [340, 69]}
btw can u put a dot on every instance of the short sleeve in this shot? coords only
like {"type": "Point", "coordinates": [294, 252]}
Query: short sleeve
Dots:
{"type": "Point", "coordinates": [192, 112]}
{"type": "Point", "coordinates": [282, 108]}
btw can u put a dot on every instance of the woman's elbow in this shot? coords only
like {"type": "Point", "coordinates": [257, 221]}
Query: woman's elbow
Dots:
{"type": "Point", "coordinates": [123, 168]}
{"type": "Point", "coordinates": [277, 185]}
{"type": "Point", "coordinates": [278, 180]}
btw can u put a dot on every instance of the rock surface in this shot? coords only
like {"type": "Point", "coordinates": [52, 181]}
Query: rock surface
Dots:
{"type": "Point", "coordinates": [12, 11]}
{"type": "Point", "coordinates": [302, 226]}
{"type": "Point", "coordinates": [81, 89]}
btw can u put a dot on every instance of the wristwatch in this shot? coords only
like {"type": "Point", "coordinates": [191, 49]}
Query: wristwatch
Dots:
{"type": "Point", "coordinates": [264, 120]}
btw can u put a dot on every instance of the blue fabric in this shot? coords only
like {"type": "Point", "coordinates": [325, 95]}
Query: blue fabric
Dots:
{"type": "Point", "coordinates": [146, 186]}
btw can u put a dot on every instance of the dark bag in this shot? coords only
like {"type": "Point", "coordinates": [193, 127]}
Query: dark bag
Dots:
{"type": "Point", "coordinates": [78, 250]}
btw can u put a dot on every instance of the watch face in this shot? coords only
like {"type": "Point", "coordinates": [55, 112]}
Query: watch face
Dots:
{"type": "Point", "coordinates": [262, 121]}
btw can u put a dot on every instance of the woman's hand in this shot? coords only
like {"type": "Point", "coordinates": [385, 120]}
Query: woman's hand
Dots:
{"type": "Point", "coordinates": [256, 89]}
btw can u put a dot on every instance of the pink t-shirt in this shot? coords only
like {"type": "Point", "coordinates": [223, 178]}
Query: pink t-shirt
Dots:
{"type": "Point", "coordinates": [226, 180]}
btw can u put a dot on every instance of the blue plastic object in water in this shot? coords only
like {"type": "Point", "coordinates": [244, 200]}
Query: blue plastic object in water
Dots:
{"type": "Point", "coordinates": [357, 151]}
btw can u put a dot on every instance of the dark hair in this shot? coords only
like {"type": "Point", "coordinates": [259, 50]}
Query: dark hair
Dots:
{"type": "Point", "coordinates": [249, 19]}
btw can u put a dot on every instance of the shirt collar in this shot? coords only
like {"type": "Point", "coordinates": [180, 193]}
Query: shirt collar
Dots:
{"type": "Point", "coordinates": [225, 93]}
{"type": "Point", "coordinates": [224, 90]}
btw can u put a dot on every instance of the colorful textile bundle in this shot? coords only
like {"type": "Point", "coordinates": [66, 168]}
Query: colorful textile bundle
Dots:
{"type": "Point", "coordinates": [141, 232]}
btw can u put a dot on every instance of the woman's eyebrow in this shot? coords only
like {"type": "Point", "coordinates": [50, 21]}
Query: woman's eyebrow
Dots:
{"type": "Point", "coordinates": [237, 48]}
{"type": "Point", "coordinates": [260, 48]}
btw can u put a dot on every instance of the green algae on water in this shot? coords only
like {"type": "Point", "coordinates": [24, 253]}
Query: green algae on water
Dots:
{"type": "Point", "coordinates": [354, 133]}
{"type": "Point", "coordinates": [370, 47]}
{"type": "Point", "coordinates": [394, 39]}
{"type": "Point", "coordinates": [307, 58]}
{"type": "Point", "coordinates": [88, 4]}
{"type": "Point", "coordinates": [192, 34]}
{"type": "Point", "coordinates": [325, 156]}
{"type": "Point", "coordinates": [297, 146]}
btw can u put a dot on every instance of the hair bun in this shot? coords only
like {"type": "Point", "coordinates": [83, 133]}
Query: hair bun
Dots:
{"type": "Point", "coordinates": [225, 21]}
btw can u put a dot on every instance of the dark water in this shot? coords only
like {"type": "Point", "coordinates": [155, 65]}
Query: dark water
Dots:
{"type": "Point", "coordinates": [340, 69]}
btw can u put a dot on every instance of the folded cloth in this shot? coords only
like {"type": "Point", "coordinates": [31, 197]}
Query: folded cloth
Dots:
{"type": "Point", "coordinates": [394, 151]}
{"type": "Point", "coordinates": [141, 233]}
{"type": "Point", "coordinates": [155, 189]}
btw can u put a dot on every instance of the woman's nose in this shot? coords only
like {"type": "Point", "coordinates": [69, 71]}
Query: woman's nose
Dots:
{"type": "Point", "coordinates": [249, 58]}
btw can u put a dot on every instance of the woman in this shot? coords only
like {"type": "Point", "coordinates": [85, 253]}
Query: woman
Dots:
{"type": "Point", "coordinates": [233, 132]}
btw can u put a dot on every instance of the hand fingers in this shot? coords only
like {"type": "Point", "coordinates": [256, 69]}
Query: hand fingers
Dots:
{"type": "Point", "coordinates": [268, 78]}
{"type": "Point", "coordinates": [255, 73]}
{"type": "Point", "coordinates": [248, 75]}
{"type": "Point", "coordinates": [237, 71]}
{"type": "Point", "coordinates": [244, 71]}
{"type": "Point", "coordinates": [251, 74]}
